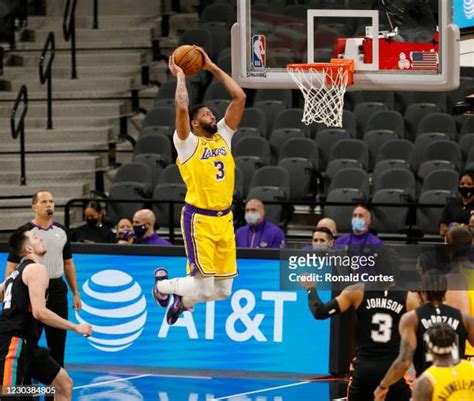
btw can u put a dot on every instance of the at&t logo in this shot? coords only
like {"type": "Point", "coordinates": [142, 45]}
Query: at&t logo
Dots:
{"type": "Point", "coordinates": [114, 304]}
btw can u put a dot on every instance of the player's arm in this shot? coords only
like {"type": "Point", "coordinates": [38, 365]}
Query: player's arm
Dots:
{"type": "Point", "coordinates": [70, 273]}
{"type": "Point", "coordinates": [413, 301]}
{"type": "Point", "coordinates": [423, 390]}
{"type": "Point", "coordinates": [235, 110]}
{"type": "Point", "coordinates": [36, 277]}
{"type": "Point", "coordinates": [181, 101]}
{"type": "Point", "coordinates": [404, 360]}
{"type": "Point", "coordinates": [350, 296]}
{"type": "Point", "coordinates": [469, 325]}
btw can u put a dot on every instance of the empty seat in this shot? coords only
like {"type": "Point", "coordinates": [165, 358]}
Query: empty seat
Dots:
{"type": "Point", "coordinates": [446, 180]}
{"type": "Point", "coordinates": [135, 172]}
{"type": "Point", "coordinates": [326, 138]}
{"type": "Point", "coordinates": [442, 150]}
{"type": "Point", "coordinates": [244, 132]}
{"type": "Point", "coordinates": [161, 116]}
{"type": "Point", "coordinates": [374, 139]}
{"type": "Point", "coordinates": [342, 215]}
{"type": "Point", "coordinates": [350, 149]}
{"type": "Point", "coordinates": [413, 116]}
{"type": "Point", "coordinates": [216, 91]}
{"type": "Point", "coordinates": [272, 176]}
{"type": "Point", "coordinates": [273, 213]}
{"type": "Point", "coordinates": [470, 160]}
{"type": "Point", "coordinates": [389, 219]}
{"type": "Point", "coordinates": [239, 184]}
{"type": "Point", "coordinates": [254, 118]}
{"type": "Point", "coordinates": [218, 107]}
{"type": "Point", "coordinates": [396, 149]}
{"type": "Point", "coordinates": [253, 146]}
{"type": "Point", "coordinates": [171, 175]}
{"type": "Point", "coordinates": [154, 144]}
{"type": "Point", "coordinates": [301, 147]}
{"type": "Point", "coordinates": [270, 108]}
{"type": "Point", "coordinates": [387, 120]}
{"type": "Point", "coordinates": [363, 112]}
{"type": "Point", "coordinates": [438, 122]}
{"type": "Point", "coordinates": [466, 143]}
{"type": "Point", "coordinates": [389, 164]}
{"type": "Point", "coordinates": [156, 163]}
{"type": "Point", "coordinates": [437, 99]}
{"type": "Point", "coordinates": [423, 141]}
{"type": "Point", "coordinates": [291, 118]}
{"type": "Point", "coordinates": [427, 218]}
{"type": "Point", "coordinates": [248, 165]}
{"type": "Point", "coordinates": [157, 130]}
{"type": "Point", "coordinates": [279, 137]}
{"type": "Point", "coordinates": [385, 97]}
{"type": "Point", "coordinates": [434, 165]}
{"type": "Point", "coordinates": [220, 34]}
{"type": "Point", "coordinates": [302, 175]}
{"type": "Point", "coordinates": [283, 95]}
{"type": "Point", "coordinates": [351, 178]}
{"type": "Point", "coordinates": [398, 178]}
{"type": "Point", "coordinates": [336, 165]}
{"type": "Point", "coordinates": [168, 192]}
{"type": "Point", "coordinates": [223, 12]}
{"type": "Point", "coordinates": [198, 37]}
{"type": "Point", "coordinates": [467, 126]}
{"type": "Point", "coordinates": [125, 191]}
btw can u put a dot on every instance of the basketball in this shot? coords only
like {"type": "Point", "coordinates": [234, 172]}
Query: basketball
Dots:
{"type": "Point", "coordinates": [189, 59]}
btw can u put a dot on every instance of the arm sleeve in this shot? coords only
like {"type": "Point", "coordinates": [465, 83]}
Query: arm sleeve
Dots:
{"type": "Point", "coordinates": [319, 309]}
{"type": "Point", "coordinates": [186, 148]}
{"type": "Point", "coordinates": [225, 131]}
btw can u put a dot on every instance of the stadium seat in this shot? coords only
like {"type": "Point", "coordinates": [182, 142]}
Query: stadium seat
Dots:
{"type": "Point", "coordinates": [387, 120]}
{"type": "Point", "coordinates": [351, 178]}
{"type": "Point", "coordinates": [220, 33]}
{"type": "Point", "coordinates": [272, 176]}
{"type": "Point", "coordinates": [248, 165]}
{"type": "Point", "coordinates": [336, 165]}
{"type": "Point", "coordinates": [291, 118]}
{"type": "Point", "coordinates": [270, 108]}
{"type": "Point", "coordinates": [397, 178]}
{"type": "Point", "coordinates": [342, 215]}
{"type": "Point", "coordinates": [125, 191]}
{"type": "Point", "coordinates": [422, 143]}
{"type": "Point", "coordinates": [160, 116]}
{"type": "Point", "coordinates": [168, 192]}
{"type": "Point", "coordinates": [218, 107]}
{"type": "Point", "coordinates": [135, 172]}
{"type": "Point", "coordinates": [156, 130]}
{"type": "Point", "coordinates": [253, 146]}
{"type": "Point", "coordinates": [279, 137]}
{"type": "Point", "coordinates": [363, 112]}
{"type": "Point", "coordinates": [301, 147]}
{"type": "Point", "coordinates": [396, 149]}
{"type": "Point", "coordinates": [198, 37]}
{"type": "Point", "coordinates": [222, 12]}
{"type": "Point", "coordinates": [350, 149]}
{"type": "Point", "coordinates": [239, 184]}
{"type": "Point", "coordinates": [442, 150]}
{"type": "Point", "coordinates": [254, 118]}
{"type": "Point", "coordinates": [385, 97]}
{"type": "Point", "coordinates": [216, 90]}
{"type": "Point", "coordinates": [434, 165]}
{"type": "Point", "coordinates": [438, 122]}
{"type": "Point", "coordinates": [156, 163]}
{"type": "Point", "coordinates": [282, 95]}
{"type": "Point", "coordinates": [438, 99]}
{"type": "Point", "coordinates": [389, 219]}
{"type": "Point", "coordinates": [154, 144]}
{"type": "Point", "coordinates": [273, 213]}
{"type": "Point", "coordinates": [466, 143]}
{"type": "Point", "coordinates": [171, 175]}
{"type": "Point", "coordinates": [374, 139]}
{"type": "Point", "coordinates": [389, 164]}
{"type": "Point", "coordinates": [326, 138]}
{"type": "Point", "coordinates": [467, 126]}
{"type": "Point", "coordinates": [470, 160]}
{"type": "Point", "coordinates": [413, 116]}
{"type": "Point", "coordinates": [242, 133]}
{"type": "Point", "coordinates": [427, 218]}
{"type": "Point", "coordinates": [445, 180]}
{"type": "Point", "coordinates": [301, 171]}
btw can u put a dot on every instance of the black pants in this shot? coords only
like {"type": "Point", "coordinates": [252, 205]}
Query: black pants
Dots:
{"type": "Point", "coordinates": [56, 338]}
{"type": "Point", "coordinates": [366, 377]}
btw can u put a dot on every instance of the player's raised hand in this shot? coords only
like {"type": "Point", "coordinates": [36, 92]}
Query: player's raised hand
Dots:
{"type": "Point", "coordinates": [207, 62]}
{"type": "Point", "coordinates": [174, 68]}
{"type": "Point", "coordinates": [306, 281]}
{"type": "Point", "coordinates": [84, 329]}
{"type": "Point", "coordinates": [380, 393]}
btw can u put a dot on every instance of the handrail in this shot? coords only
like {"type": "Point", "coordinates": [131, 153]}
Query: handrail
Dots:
{"type": "Point", "coordinates": [95, 24]}
{"type": "Point", "coordinates": [69, 32]}
{"type": "Point", "coordinates": [20, 128]}
{"type": "Point", "coordinates": [45, 75]}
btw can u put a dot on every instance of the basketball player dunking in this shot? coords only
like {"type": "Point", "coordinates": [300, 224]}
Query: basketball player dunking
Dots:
{"type": "Point", "coordinates": [207, 167]}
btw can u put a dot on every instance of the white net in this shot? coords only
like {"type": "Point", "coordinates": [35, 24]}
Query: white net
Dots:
{"type": "Point", "coordinates": [323, 92]}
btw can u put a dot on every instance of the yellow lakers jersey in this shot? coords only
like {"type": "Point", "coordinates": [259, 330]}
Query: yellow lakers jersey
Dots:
{"type": "Point", "coordinates": [209, 174]}
{"type": "Point", "coordinates": [469, 348]}
{"type": "Point", "coordinates": [452, 383]}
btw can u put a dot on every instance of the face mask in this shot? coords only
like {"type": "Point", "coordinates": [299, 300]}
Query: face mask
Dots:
{"type": "Point", "coordinates": [125, 234]}
{"type": "Point", "coordinates": [139, 230]}
{"type": "Point", "coordinates": [320, 247]}
{"type": "Point", "coordinates": [466, 192]}
{"type": "Point", "coordinates": [91, 222]}
{"type": "Point", "coordinates": [358, 224]}
{"type": "Point", "coordinates": [252, 218]}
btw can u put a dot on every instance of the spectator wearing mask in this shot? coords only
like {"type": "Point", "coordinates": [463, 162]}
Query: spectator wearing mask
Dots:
{"type": "Point", "coordinates": [125, 234]}
{"type": "Point", "coordinates": [323, 239]}
{"type": "Point", "coordinates": [94, 230]}
{"type": "Point", "coordinates": [360, 235]}
{"type": "Point", "coordinates": [144, 228]}
{"type": "Point", "coordinates": [329, 224]}
{"type": "Point", "coordinates": [258, 233]}
{"type": "Point", "coordinates": [460, 210]}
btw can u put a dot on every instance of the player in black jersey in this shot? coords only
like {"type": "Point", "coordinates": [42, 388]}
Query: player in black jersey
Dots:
{"type": "Point", "coordinates": [414, 325]}
{"type": "Point", "coordinates": [24, 306]}
{"type": "Point", "coordinates": [379, 308]}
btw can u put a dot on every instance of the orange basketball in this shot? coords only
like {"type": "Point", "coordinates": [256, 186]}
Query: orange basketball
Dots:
{"type": "Point", "coordinates": [189, 59]}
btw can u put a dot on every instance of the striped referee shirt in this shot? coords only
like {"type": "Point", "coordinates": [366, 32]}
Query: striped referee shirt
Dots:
{"type": "Point", "coordinates": [57, 244]}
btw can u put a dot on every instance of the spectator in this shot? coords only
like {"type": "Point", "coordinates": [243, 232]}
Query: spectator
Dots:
{"type": "Point", "coordinates": [144, 228]}
{"type": "Point", "coordinates": [328, 223]}
{"type": "Point", "coordinates": [460, 210]}
{"type": "Point", "coordinates": [94, 230]}
{"type": "Point", "coordinates": [125, 234]}
{"type": "Point", "coordinates": [258, 233]}
{"type": "Point", "coordinates": [360, 235]}
{"type": "Point", "coordinates": [59, 262]}
{"type": "Point", "coordinates": [322, 238]}
{"type": "Point", "coordinates": [471, 226]}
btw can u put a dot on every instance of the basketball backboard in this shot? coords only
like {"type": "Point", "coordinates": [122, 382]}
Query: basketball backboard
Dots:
{"type": "Point", "coordinates": [396, 44]}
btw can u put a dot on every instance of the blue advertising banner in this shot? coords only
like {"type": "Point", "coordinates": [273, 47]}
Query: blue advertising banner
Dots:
{"type": "Point", "coordinates": [259, 328]}
{"type": "Point", "coordinates": [464, 13]}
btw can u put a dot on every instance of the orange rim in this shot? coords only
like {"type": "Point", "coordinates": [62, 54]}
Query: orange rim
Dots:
{"type": "Point", "coordinates": [334, 66]}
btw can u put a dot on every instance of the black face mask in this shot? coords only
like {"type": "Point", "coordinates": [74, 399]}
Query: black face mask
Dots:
{"type": "Point", "coordinates": [466, 192]}
{"type": "Point", "coordinates": [91, 222]}
{"type": "Point", "coordinates": [139, 230]}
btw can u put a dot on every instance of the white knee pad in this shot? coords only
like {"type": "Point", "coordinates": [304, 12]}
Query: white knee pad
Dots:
{"type": "Point", "coordinates": [222, 289]}
{"type": "Point", "coordinates": [204, 289]}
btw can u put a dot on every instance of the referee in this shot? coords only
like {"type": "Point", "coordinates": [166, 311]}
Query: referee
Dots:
{"type": "Point", "coordinates": [58, 260]}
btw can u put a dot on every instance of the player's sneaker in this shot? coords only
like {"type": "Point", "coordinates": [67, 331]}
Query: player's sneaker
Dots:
{"type": "Point", "coordinates": [175, 309]}
{"type": "Point", "coordinates": [161, 299]}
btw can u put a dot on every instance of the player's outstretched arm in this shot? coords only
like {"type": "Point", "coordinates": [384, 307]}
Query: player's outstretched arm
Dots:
{"type": "Point", "coordinates": [181, 100]}
{"type": "Point", "coordinates": [469, 324]}
{"type": "Point", "coordinates": [236, 108]}
{"type": "Point", "coordinates": [35, 276]}
{"type": "Point", "coordinates": [404, 360]}
{"type": "Point", "coordinates": [423, 390]}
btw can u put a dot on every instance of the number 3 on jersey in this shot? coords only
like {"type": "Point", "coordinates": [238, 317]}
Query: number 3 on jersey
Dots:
{"type": "Point", "coordinates": [384, 332]}
{"type": "Point", "coordinates": [220, 170]}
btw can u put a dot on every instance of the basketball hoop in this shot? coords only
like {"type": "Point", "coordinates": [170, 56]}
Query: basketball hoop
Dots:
{"type": "Point", "coordinates": [323, 86]}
